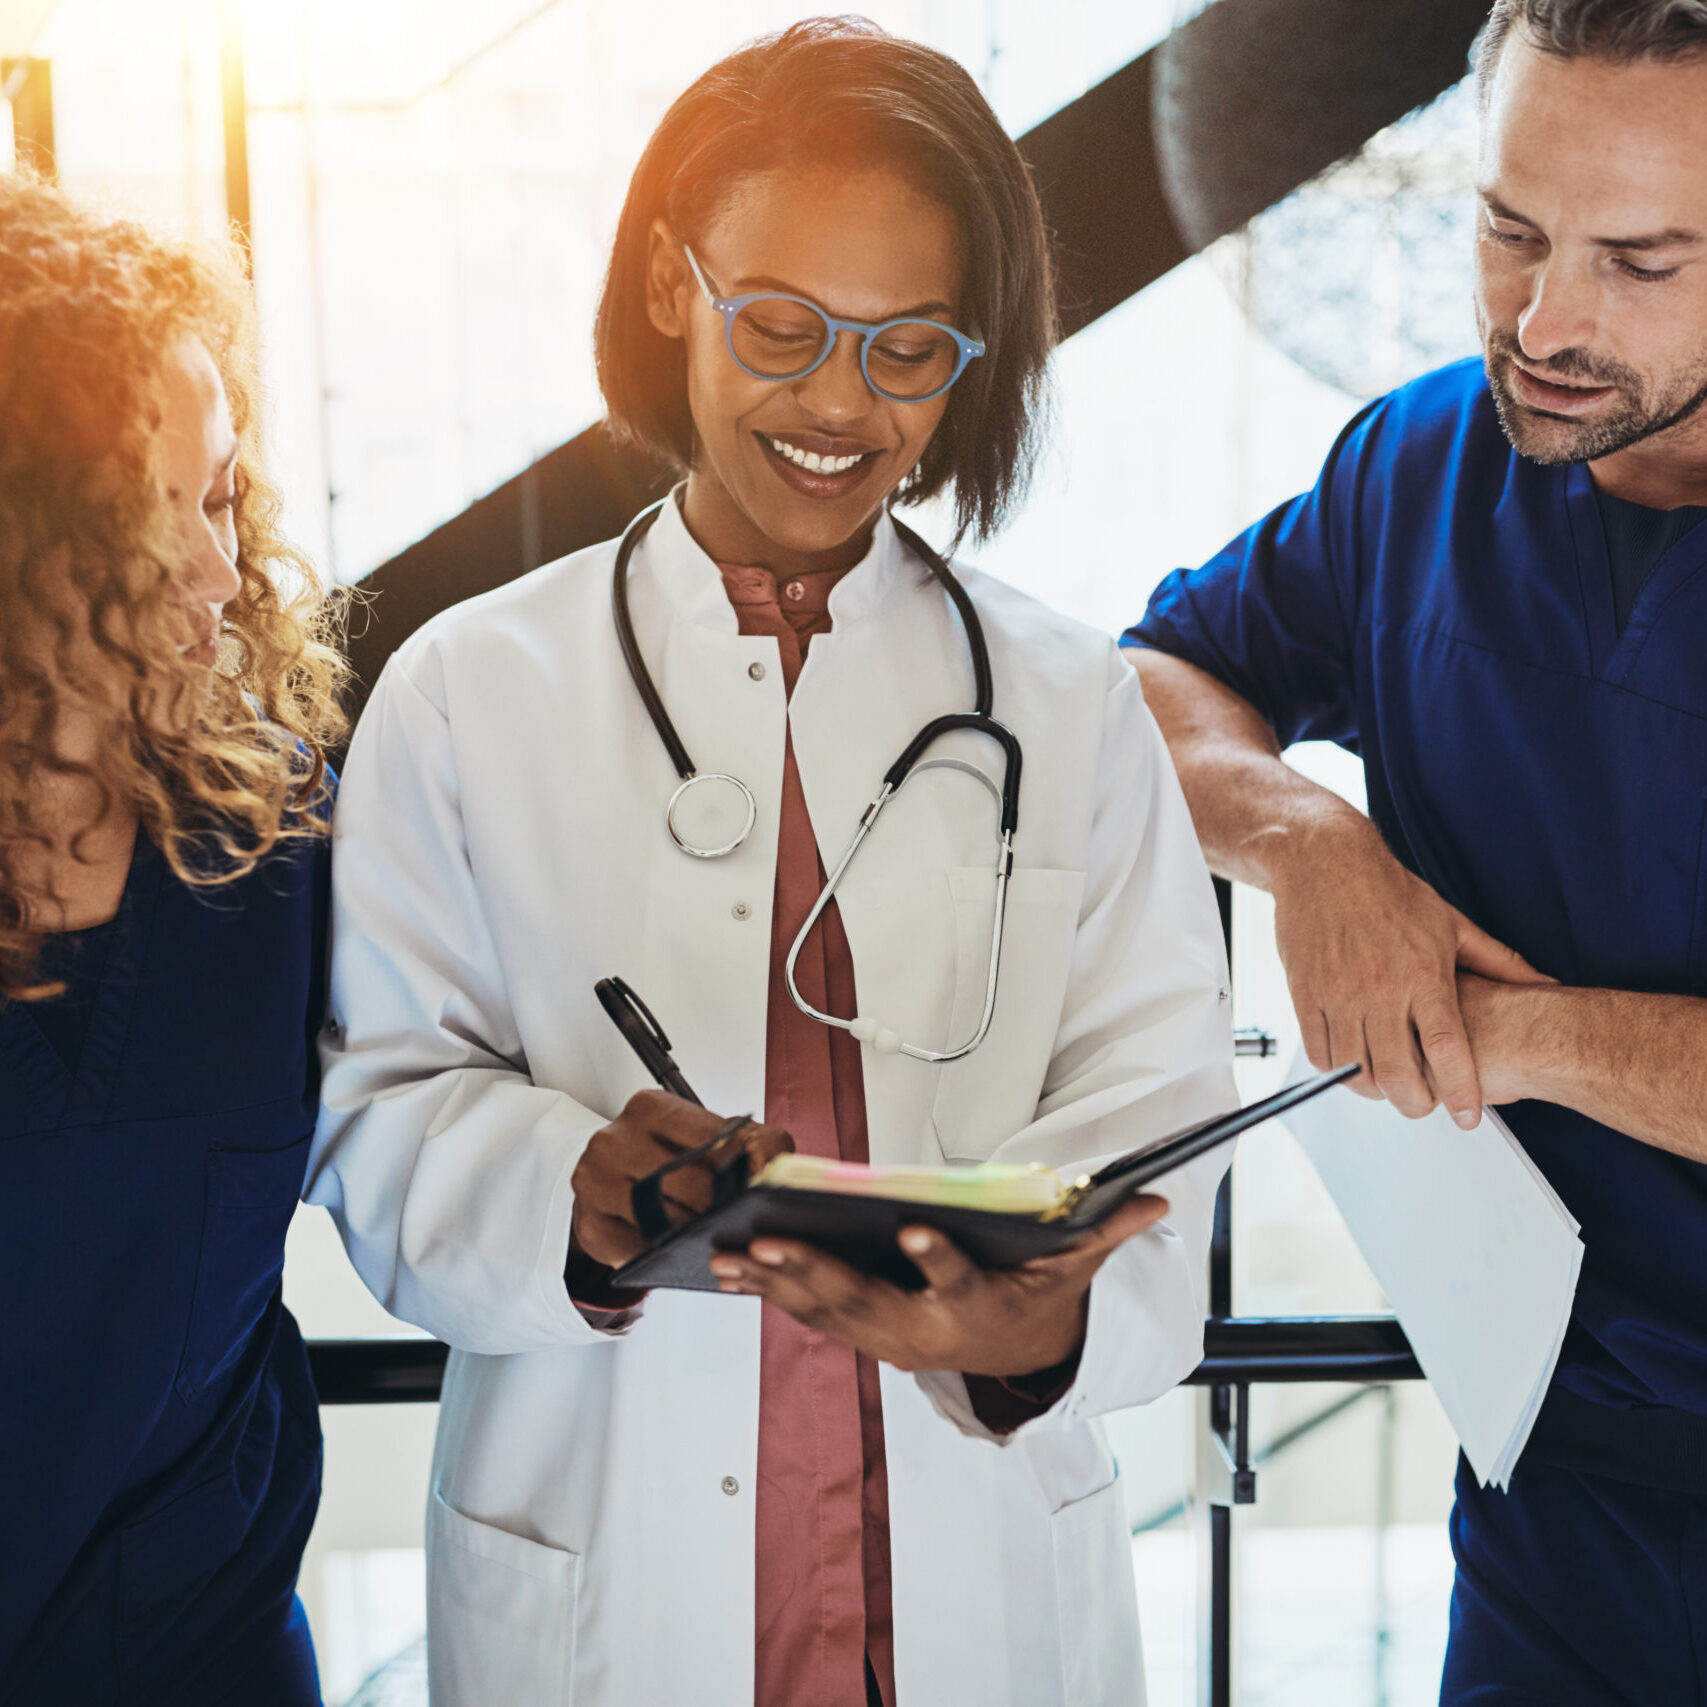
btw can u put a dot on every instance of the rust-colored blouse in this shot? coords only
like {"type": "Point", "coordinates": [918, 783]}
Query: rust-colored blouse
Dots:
{"type": "Point", "coordinates": [822, 1503]}
{"type": "Point", "coordinates": [823, 1610]}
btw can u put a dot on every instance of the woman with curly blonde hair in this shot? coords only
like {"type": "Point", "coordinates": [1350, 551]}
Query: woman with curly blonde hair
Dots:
{"type": "Point", "coordinates": [166, 693]}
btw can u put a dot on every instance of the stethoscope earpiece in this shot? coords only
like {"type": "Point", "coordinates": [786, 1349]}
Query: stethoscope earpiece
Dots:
{"type": "Point", "coordinates": [884, 1041]}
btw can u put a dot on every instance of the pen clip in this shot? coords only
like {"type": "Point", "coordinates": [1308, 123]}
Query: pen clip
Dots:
{"type": "Point", "coordinates": [620, 989]}
{"type": "Point", "coordinates": [646, 1195]}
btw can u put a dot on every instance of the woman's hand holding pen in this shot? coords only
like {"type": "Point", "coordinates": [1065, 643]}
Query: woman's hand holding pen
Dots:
{"type": "Point", "coordinates": [1004, 1322]}
{"type": "Point", "coordinates": [654, 1127]}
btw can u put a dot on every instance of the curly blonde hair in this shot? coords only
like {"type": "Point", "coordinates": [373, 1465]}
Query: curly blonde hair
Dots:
{"type": "Point", "coordinates": [91, 311]}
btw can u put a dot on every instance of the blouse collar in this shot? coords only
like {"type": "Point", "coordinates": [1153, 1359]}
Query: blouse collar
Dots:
{"type": "Point", "coordinates": [693, 583]}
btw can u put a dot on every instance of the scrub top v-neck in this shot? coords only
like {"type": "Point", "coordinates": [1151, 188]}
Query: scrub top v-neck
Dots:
{"type": "Point", "coordinates": [159, 1440]}
{"type": "Point", "coordinates": [1444, 608]}
{"type": "Point", "coordinates": [78, 960]}
{"type": "Point", "coordinates": [1637, 539]}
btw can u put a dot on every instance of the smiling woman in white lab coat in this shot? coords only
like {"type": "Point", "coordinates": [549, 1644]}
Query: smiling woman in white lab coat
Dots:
{"type": "Point", "coordinates": [821, 1489]}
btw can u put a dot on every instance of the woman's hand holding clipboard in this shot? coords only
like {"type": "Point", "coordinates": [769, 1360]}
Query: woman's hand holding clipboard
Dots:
{"type": "Point", "coordinates": [665, 1160]}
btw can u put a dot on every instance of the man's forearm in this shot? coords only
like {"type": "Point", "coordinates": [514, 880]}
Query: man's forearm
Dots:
{"type": "Point", "coordinates": [1371, 951]}
{"type": "Point", "coordinates": [1253, 813]}
{"type": "Point", "coordinates": [1632, 1061]}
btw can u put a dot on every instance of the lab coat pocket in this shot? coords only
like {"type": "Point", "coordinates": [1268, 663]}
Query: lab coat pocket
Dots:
{"type": "Point", "coordinates": [249, 1200]}
{"type": "Point", "coordinates": [500, 1614]}
{"type": "Point", "coordinates": [1102, 1656]}
{"type": "Point", "coordinates": [987, 1096]}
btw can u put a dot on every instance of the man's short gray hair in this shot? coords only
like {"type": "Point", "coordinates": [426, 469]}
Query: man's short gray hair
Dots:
{"type": "Point", "coordinates": [1618, 30]}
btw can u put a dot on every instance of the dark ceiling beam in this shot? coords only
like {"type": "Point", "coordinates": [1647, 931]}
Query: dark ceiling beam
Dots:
{"type": "Point", "coordinates": [1245, 102]}
{"type": "Point", "coordinates": [576, 495]}
{"type": "Point", "coordinates": [1097, 171]}
{"type": "Point", "coordinates": [1254, 97]}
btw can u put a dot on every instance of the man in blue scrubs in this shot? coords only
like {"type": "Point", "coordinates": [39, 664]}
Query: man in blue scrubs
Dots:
{"type": "Point", "coordinates": [1497, 596]}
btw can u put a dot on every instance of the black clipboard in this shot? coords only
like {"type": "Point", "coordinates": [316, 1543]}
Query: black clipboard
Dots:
{"type": "Point", "coordinates": [863, 1231]}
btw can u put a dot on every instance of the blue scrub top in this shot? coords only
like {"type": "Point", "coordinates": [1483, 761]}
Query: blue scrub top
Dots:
{"type": "Point", "coordinates": [159, 1437]}
{"type": "Point", "coordinates": [1444, 608]}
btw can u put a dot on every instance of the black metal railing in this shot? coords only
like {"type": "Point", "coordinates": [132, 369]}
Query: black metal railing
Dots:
{"type": "Point", "coordinates": [1238, 1351]}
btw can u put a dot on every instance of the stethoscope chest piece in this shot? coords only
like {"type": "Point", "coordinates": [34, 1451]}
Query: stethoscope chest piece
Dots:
{"type": "Point", "coordinates": [711, 815]}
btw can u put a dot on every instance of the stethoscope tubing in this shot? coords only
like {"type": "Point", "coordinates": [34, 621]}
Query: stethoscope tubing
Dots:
{"type": "Point", "coordinates": [983, 695]}
{"type": "Point", "coordinates": [626, 638]}
{"type": "Point", "coordinates": [889, 1043]}
{"type": "Point", "coordinates": [978, 721]}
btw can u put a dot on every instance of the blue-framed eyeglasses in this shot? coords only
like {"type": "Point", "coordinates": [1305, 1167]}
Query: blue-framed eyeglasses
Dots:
{"type": "Point", "coordinates": [772, 336]}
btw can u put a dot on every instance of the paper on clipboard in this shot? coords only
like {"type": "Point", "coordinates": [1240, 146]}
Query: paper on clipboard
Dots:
{"type": "Point", "coordinates": [1473, 1248]}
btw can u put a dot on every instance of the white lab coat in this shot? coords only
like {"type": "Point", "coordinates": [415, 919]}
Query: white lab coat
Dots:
{"type": "Point", "coordinates": [500, 845]}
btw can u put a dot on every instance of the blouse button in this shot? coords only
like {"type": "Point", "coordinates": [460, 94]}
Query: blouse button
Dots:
{"type": "Point", "coordinates": [756, 671]}
{"type": "Point", "coordinates": [729, 1485]}
{"type": "Point", "coordinates": [795, 590]}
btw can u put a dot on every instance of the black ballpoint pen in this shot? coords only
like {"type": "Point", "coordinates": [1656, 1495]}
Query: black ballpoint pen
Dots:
{"type": "Point", "coordinates": [644, 1034]}
{"type": "Point", "coordinates": [646, 1038]}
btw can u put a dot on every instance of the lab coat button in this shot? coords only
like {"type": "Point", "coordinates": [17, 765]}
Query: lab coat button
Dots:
{"type": "Point", "coordinates": [756, 671]}
{"type": "Point", "coordinates": [730, 1485]}
{"type": "Point", "coordinates": [741, 910]}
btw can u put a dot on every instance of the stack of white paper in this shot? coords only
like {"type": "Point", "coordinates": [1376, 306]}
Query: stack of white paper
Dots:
{"type": "Point", "coordinates": [1474, 1250]}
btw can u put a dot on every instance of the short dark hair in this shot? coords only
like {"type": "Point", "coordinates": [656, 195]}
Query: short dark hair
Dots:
{"type": "Point", "coordinates": [839, 92]}
{"type": "Point", "coordinates": [1621, 31]}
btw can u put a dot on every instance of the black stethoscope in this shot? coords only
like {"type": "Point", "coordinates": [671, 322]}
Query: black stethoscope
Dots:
{"type": "Point", "coordinates": [712, 813]}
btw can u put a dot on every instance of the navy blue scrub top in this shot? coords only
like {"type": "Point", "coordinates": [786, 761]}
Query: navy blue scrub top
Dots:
{"type": "Point", "coordinates": [159, 1437]}
{"type": "Point", "coordinates": [1444, 608]}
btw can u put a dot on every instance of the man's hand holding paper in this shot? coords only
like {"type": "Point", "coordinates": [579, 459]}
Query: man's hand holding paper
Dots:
{"type": "Point", "coordinates": [1371, 955]}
